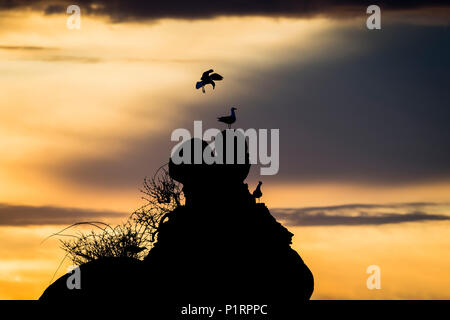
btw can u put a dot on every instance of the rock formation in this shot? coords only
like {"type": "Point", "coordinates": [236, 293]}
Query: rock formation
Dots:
{"type": "Point", "coordinates": [220, 247]}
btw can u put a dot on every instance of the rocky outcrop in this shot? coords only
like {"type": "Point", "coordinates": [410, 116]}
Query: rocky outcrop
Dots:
{"type": "Point", "coordinates": [220, 247]}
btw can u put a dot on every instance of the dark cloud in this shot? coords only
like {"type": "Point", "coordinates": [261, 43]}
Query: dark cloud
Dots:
{"type": "Point", "coordinates": [378, 115]}
{"type": "Point", "coordinates": [356, 214]}
{"type": "Point", "coordinates": [138, 9]}
{"type": "Point", "coordinates": [359, 206]}
{"type": "Point", "coordinates": [21, 215]}
{"type": "Point", "coordinates": [55, 8]}
{"type": "Point", "coordinates": [335, 220]}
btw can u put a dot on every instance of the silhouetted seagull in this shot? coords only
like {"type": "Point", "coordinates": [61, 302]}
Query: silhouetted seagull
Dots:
{"type": "Point", "coordinates": [208, 78]}
{"type": "Point", "coordinates": [229, 120]}
{"type": "Point", "coordinates": [257, 193]}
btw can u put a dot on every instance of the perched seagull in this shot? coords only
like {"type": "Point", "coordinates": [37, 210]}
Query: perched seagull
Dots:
{"type": "Point", "coordinates": [229, 120]}
{"type": "Point", "coordinates": [208, 78]}
{"type": "Point", "coordinates": [257, 193]}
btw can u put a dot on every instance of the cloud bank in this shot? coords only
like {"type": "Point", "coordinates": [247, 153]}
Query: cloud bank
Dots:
{"type": "Point", "coordinates": [342, 215]}
{"type": "Point", "coordinates": [357, 214]}
{"type": "Point", "coordinates": [121, 10]}
{"type": "Point", "coordinates": [23, 215]}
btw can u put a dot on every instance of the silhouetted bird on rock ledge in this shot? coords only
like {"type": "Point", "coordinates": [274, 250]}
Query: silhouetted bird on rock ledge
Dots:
{"type": "Point", "coordinates": [229, 120]}
{"type": "Point", "coordinates": [257, 194]}
{"type": "Point", "coordinates": [220, 247]}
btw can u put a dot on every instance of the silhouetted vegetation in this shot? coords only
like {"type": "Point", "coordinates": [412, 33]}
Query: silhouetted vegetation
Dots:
{"type": "Point", "coordinates": [125, 240]}
{"type": "Point", "coordinates": [162, 195]}
{"type": "Point", "coordinates": [134, 238]}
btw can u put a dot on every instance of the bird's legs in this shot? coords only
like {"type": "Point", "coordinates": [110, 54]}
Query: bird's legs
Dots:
{"type": "Point", "coordinates": [203, 89]}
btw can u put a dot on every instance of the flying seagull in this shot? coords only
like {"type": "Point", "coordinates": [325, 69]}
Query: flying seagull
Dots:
{"type": "Point", "coordinates": [208, 78]}
{"type": "Point", "coordinates": [257, 193]}
{"type": "Point", "coordinates": [229, 120]}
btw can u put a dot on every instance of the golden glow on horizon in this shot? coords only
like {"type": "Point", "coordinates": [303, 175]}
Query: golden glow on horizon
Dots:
{"type": "Point", "coordinates": [410, 257]}
{"type": "Point", "coordinates": [412, 268]}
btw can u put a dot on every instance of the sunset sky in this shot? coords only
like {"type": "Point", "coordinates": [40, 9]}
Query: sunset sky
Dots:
{"type": "Point", "coordinates": [364, 178]}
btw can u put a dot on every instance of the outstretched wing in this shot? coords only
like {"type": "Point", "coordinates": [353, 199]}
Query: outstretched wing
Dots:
{"type": "Point", "coordinates": [216, 76]}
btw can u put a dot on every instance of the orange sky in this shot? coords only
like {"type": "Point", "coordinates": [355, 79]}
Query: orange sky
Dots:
{"type": "Point", "coordinates": [76, 94]}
